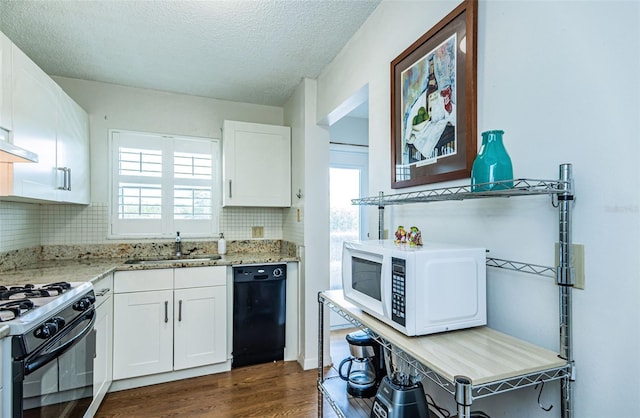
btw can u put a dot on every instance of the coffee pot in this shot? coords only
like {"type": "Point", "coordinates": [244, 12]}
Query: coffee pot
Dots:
{"type": "Point", "coordinates": [364, 369]}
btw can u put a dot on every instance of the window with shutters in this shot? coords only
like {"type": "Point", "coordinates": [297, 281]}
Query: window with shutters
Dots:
{"type": "Point", "coordinates": [163, 184]}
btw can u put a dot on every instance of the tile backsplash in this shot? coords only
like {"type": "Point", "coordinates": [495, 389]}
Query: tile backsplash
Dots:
{"type": "Point", "coordinates": [19, 226]}
{"type": "Point", "coordinates": [24, 225]}
{"type": "Point", "coordinates": [71, 224]}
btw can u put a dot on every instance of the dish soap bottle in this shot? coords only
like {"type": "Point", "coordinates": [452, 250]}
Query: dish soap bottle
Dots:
{"type": "Point", "coordinates": [222, 245]}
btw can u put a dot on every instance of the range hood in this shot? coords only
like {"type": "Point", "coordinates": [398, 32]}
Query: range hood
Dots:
{"type": "Point", "coordinates": [10, 153]}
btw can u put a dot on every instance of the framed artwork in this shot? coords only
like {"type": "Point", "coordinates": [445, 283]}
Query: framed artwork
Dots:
{"type": "Point", "coordinates": [433, 103]}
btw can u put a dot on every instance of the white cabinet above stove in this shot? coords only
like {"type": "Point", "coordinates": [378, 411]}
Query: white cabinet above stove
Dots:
{"type": "Point", "coordinates": [40, 117]}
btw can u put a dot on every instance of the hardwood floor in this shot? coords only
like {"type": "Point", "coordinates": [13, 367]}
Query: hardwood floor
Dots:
{"type": "Point", "coordinates": [279, 389]}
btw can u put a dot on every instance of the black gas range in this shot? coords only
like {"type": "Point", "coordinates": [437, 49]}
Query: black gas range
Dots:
{"type": "Point", "coordinates": [48, 357]}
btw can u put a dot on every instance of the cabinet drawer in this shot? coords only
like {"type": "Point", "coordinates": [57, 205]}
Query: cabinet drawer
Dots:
{"type": "Point", "coordinates": [103, 288]}
{"type": "Point", "coordinates": [143, 280]}
{"type": "Point", "coordinates": [200, 277]}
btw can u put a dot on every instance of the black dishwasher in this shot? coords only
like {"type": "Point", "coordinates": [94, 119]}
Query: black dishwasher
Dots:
{"type": "Point", "coordinates": [258, 314]}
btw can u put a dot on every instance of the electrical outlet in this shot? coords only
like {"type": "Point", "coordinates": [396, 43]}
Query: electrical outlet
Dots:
{"type": "Point", "coordinates": [257, 231]}
{"type": "Point", "coordinates": [578, 264]}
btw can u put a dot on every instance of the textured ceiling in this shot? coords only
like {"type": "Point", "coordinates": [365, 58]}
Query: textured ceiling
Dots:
{"type": "Point", "coordinates": [242, 50]}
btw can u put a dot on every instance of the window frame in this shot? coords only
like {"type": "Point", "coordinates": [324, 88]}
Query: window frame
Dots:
{"type": "Point", "coordinates": [166, 226]}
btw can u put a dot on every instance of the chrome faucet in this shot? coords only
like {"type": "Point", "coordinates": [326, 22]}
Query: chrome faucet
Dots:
{"type": "Point", "coordinates": [178, 245]}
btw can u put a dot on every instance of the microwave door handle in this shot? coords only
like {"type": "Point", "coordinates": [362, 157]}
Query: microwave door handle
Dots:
{"type": "Point", "coordinates": [386, 286]}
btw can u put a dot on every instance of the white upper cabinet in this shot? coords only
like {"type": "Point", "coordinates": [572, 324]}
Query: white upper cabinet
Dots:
{"type": "Point", "coordinates": [35, 99]}
{"type": "Point", "coordinates": [256, 161]}
{"type": "Point", "coordinates": [5, 83]}
{"type": "Point", "coordinates": [44, 120]}
{"type": "Point", "coordinates": [72, 151]}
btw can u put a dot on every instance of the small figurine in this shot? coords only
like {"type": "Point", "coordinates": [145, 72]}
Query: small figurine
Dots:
{"type": "Point", "coordinates": [401, 235]}
{"type": "Point", "coordinates": [415, 236]}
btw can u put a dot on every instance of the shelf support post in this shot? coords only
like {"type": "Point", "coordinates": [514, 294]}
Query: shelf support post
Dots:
{"type": "Point", "coordinates": [565, 280]}
{"type": "Point", "coordinates": [381, 216]}
{"type": "Point", "coordinates": [463, 396]}
{"type": "Point", "coordinates": [320, 352]}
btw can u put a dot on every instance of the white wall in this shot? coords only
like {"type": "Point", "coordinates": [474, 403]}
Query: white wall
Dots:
{"type": "Point", "coordinates": [560, 78]}
{"type": "Point", "coordinates": [349, 130]}
{"type": "Point", "coordinates": [112, 106]}
{"type": "Point", "coordinates": [310, 171]}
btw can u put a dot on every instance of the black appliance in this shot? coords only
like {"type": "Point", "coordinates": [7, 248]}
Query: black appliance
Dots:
{"type": "Point", "coordinates": [400, 394]}
{"type": "Point", "coordinates": [365, 367]}
{"type": "Point", "coordinates": [52, 347]}
{"type": "Point", "coordinates": [395, 400]}
{"type": "Point", "coordinates": [259, 307]}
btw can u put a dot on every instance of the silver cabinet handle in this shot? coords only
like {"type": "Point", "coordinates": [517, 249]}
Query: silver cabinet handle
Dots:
{"type": "Point", "coordinates": [230, 194]}
{"type": "Point", "coordinates": [66, 179]}
{"type": "Point", "coordinates": [166, 311]}
{"type": "Point", "coordinates": [103, 292]}
{"type": "Point", "coordinates": [180, 311]}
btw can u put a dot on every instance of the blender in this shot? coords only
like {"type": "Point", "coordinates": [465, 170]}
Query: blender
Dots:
{"type": "Point", "coordinates": [400, 394]}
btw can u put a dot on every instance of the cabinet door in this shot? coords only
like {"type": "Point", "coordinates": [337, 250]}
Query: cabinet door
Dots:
{"type": "Point", "coordinates": [5, 83]}
{"type": "Point", "coordinates": [257, 165]}
{"type": "Point", "coordinates": [72, 149]}
{"type": "Point", "coordinates": [200, 326]}
{"type": "Point", "coordinates": [103, 363]}
{"type": "Point", "coordinates": [34, 100]}
{"type": "Point", "coordinates": [143, 333]}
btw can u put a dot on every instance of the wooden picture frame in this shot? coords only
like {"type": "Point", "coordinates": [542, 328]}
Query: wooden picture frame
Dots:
{"type": "Point", "coordinates": [433, 103]}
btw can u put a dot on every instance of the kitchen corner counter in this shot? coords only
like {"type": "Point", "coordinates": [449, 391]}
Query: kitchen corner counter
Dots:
{"type": "Point", "coordinates": [93, 269]}
{"type": "Point", "coordinates": [51, 271]}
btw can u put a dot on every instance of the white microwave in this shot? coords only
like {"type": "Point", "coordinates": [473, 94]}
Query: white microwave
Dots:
{"type": "Point", "coordinates": [417, 290]}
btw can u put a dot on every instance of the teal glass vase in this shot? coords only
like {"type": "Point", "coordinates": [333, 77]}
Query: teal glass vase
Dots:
{"type": "Point", "coordinates": [492, 169]}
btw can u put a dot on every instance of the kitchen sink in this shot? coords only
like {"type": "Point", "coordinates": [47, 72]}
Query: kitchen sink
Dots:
{"type": "Point", "coordinates": [175, 260]}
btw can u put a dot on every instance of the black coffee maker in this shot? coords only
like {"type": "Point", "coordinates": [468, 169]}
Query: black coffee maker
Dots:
{"type": "Point", "coordinates": [364, 369]}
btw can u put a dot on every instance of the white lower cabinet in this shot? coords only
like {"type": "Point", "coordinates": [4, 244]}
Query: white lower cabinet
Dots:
{"type": "Point", "coordinates": [158, 329]}
{"type": "Point", "coordinates": [143, 333]}
{"type": "Point", "coordinates": [200, 321]}
{"type": "Point", "coordinates": [103, 361]}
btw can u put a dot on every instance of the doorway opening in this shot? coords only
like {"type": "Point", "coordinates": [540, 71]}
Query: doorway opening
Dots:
{"type": "Point", "coordinates": [348, 178]}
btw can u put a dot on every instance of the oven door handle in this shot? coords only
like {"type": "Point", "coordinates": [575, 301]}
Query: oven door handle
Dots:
{"type": "Point", "coordinates": [44, 356]}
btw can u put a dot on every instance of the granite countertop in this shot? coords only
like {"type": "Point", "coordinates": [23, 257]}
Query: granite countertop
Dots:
{"type": "Point", "coordinates": [93, 269]}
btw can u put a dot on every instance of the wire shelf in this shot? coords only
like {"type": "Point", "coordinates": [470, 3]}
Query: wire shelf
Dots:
{"type": "Point", "coordinates": [478, 391]}
{"type": "Point", "coordinates": [521, 187]}
{"type": "Point", "coordinates": [522, 267]}
{"type": "Point", "coordinates": [507, 385]}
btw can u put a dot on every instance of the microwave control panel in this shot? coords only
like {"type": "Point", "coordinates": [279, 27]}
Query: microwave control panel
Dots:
{"type": "Point", "coordinates": [398, 276]}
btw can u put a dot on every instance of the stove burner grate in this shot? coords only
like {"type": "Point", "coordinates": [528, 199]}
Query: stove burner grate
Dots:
{"type": "Point", "coordinates": [15, 308]}
{"type": "Point", "coordinates": [31, 291]}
